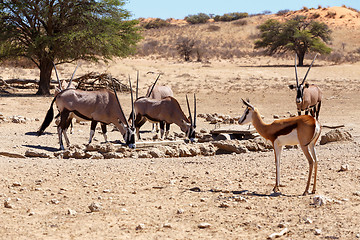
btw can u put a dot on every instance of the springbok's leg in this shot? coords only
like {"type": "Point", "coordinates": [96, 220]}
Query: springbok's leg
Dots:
{"type": "Point", "coordinates": [162, 126]}
{"type": "Point", "coordinates": [92, 130]}
{"type": "Point", "coordinates": [103, 128]}
{"type": "Point", "coordinates": [305, 149]}
{"type": "Point", "coordinates": [277, 152]}
{"type": "Point", "coordinates": [313, 154]}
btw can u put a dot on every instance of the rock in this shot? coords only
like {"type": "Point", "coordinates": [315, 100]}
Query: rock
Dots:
{"type": "Point", "coordinates": [71, 212]}
{"type": "Point", "coordinates": [230, 146]}
{"type": "Point", "coordinates": [204, 225]}
{"type": "Point", "coordinates": [207, 149]}
{"type": "Point", "coordinates": [276, 116]}
{"type": "Point", "coordinates": [144, 154]}
{"type": "Point", "coordinates": [141, 226]}
{"type": "Point", "coordinates": [16, 184]}
{"type": "Point", "coordinates": [167, 225]}
{"type": "Point", "coordinates": [156, 153]}
{"type": "Point", "coordinates": [106, 191]}
{"type": "Point", "coordinates": [203, 130]}
{"type": "Point", "coordinates": [95, 207]}
{"type": "Point", "coordinates": [319, 200]}
{"type": "Point", "coordinates": [8, 204]}
{"type": "Point", "coordinates": [224, 205]}
{"type": "Point", "coordinates": [184, 151]}
{"type": "Point", "coordinates": [33, 153]}
{"type": "Point", "coordinates": [95, 155]}
{"type": "Point", "coordinates": [180, 211]}
{"type": "Point", "coordinates": [222, 136]}
{"type": "Point", "coordinates": [54, 201]}
{"type": "Point", "coordinates": [317, 231]}
{"type": "Point", "coordinates": [280, 234]}
{"type": "Point", "coordinates": [110, 155]}
{"type": "Point", "coordinates": [344, 168]}
{"type": "Point", "coordinates": [308, 221]}
{"type": "Point", "coordinates": [357, 193]}
{"type": "Point", "coordinates": [171, 152]}
{"type": "Point", "coordinates": [336, 135]}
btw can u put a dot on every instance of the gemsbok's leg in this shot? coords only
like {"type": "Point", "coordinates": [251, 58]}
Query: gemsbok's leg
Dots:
{"type": "Point", "coordinates": [92, 130]}
{"type": "Point", "coordinates": [103, 129]}
{"type": "Point", "coordinates": [167, 130]}
{"type": "Point", "coordinates": [277, 152]}
{"type": "Point", "coordinates": [318, 110]}
{"type": "Point", "coordinates": [62, 126]}
{"type": "Point", "coordinates": [311, 164]}
{"type": "Point", "coordinates": [162, 127]}
{"type": "Point", "coordinates": [313, 153]}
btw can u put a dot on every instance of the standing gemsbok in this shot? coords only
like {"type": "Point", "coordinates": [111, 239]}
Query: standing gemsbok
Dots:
{"type": "Point", "coordinates": [308, 97]}
{"type": "Point", "coordinates": [96, 106]}
{"type": "Point", "coordinates": [303, 130]}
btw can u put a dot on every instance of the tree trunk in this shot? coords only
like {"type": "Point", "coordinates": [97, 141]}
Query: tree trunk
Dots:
{"type": "Point", "coordinates": [46, 67]}
{"type": "Point", "coordinates": [301, 59]}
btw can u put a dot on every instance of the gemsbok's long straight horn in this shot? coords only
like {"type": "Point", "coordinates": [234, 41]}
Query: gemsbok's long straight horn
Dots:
{"type": "Point", "coordinates": [137, 85]}
{"type": "Point", "coordinates": [191, 119]}
{"type": "Point", "coordinates": [132, 104]}
{"type": "Point", "coordinates": [194, 111]}
{"type": "Point", "coordinates": [72, 76]}
{"type": "Point", "coordinates": [309, 69]}
{"type": "Point", "coordinates": [153, 85]}
{"type": "Point", "coordinates": [117, 99]}
{"type": "Point", "coordinates": [57, 76]}
{"type": "Point", "coordinates": [296, 74]}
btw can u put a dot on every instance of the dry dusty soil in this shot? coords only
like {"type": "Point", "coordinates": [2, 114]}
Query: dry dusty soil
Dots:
{"type": "Point", "coordinates": [150, 198]}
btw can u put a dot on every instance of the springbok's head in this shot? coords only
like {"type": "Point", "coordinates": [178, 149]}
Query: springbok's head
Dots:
{"type": "Point", "coordinates": [190, 133]}
{"type": "Point", "coordinates": [247, 115]}
{"type": "Point", "coordinates": [300, 87]}
{"type": "Point", "coordinates": [61, 85]}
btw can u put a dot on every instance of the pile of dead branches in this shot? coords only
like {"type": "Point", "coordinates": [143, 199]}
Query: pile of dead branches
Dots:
{"type": "Point", "coordinates": [94, 81]}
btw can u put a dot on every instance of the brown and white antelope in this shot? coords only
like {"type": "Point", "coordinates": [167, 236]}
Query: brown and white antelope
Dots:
{"type": "Point", "coordinates": [164, 111]}
{"type": "Point", "coordinates": [308, 96]}
{"type": "Point", "coordinates": [96, 106]}
{"type": "Point", "coordinates": [303, 130]}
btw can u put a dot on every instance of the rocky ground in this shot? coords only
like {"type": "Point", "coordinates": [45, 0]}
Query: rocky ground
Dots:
{"type": "Point", "coordinates": [207, 190]}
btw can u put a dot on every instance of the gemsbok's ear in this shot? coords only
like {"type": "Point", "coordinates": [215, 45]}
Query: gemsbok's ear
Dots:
{"type": "Point", "coordinates": [306, 85]}
{"type": "Point", "coordinates": [291, 86]}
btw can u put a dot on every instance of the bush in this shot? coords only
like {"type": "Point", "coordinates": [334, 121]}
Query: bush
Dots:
{"type": "Point", "coordinates": [230, 17]}
{"type": "Point", "coordinates": [213, 28]}
{"type": "Point", "coordinates": [156, 23]}
{"type": "Point", "coordinates": [240, 23]}
{"type": "Point", "coordinates": [198, 18]}
{"type": "Point", "coordinates": [282, 12]}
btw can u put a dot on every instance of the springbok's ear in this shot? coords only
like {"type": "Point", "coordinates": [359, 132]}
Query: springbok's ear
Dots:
{"type": "Point", "coordinates": [291, 86]}
{"type": "Point", "coordinates": [306, 85]}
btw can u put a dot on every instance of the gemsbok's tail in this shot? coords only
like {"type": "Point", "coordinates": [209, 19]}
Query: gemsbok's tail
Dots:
{"type": "Point", "coordinates": [48, 118]}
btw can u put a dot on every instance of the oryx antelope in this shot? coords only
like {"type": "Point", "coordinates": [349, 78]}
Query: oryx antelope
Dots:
{"type": "Point", "coordinates": [158, 92]}
{"type": "Point", "coordinates": [308, 96]}
{"type": "Point", "coordinates": [165, 111]}
{"type": "Point", "coordinates": [96, 106]}
{"type": "Point", "coordinates": [303, 130]}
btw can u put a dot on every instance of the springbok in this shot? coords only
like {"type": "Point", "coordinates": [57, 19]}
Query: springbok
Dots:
{"type": "Point", "coordinates": [165, 111]}
{"type": "Point", "coordinates": [308, 97]}
{"type": "Point", "coordinates": [303, 130]}
{"type": "Point", "coordinates": [96, 106]}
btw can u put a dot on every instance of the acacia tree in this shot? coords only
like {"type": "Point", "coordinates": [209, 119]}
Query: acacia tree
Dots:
{"type": "Point", "coordinates": [298, 35]}
{"type": "Point", "coordinates": [47, 31]}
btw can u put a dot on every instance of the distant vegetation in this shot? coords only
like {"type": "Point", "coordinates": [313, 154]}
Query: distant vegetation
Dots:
{"type": "Point", "coordinates": [155, 23]}
{"type": "Point", "coordinates": [230, 17]}
{"type": "Point", "coordinates": [198, 18]}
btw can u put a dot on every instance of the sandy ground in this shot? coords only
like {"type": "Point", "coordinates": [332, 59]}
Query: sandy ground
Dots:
{"type": "Point", "coordinates": [155, 192]}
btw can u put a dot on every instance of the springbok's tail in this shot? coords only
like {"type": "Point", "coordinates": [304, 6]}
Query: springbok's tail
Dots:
{"type": "Point", "coordinates": [316, 133]}
{"type": "Point", "coordinates": [48, 118]}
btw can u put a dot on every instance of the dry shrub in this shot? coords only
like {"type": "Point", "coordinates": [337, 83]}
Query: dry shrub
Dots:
{"type": "Point", "coordinates": [240, 23]}
{"type": "Point", "coordinates": [20, 62]}
{"type": "Point", "coordinates": [213, 28]}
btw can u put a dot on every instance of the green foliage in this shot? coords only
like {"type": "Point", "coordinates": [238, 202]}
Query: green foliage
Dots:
{"type": "Point", "coordinates": [156, 23]}
{"type": "Point", "coordinates": [198, 18]}
{"type": "Point", "coordinates": [65, 31]}
{"type": "Point", "coordinates": [298, 35]}
{"type": "Point", "coordinates": [228, 17]}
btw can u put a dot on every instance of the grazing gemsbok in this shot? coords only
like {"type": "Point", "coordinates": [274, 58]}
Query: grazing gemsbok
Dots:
{"type": "Point", "coordinates": [158, 92]}
{"type": "Point", "coordinates": [96, 106]}
{"type": "Point", "coordinates": [164, 111]}
{"type": "Point", "coordinates": [303, 130]}
{"type": "Point", "coordinates": [308, 97]}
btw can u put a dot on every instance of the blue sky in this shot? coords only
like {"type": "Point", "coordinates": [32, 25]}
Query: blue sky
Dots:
{"type": "Point", "coordinates": [181, 8]}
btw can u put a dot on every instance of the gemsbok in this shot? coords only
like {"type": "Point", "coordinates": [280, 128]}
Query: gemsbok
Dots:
{"type": "Point", "coordinates": [96, 106]}
{"type": "Point", "coordinates": [303, 130]}
{"type": "Point", "coordinates": [164, 111]}
{"type": "Point", "coordinates": [308, 96]}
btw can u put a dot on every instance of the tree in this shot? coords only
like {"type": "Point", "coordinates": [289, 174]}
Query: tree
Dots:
{"type": "Point", "coordinates": [185, 47]}
{"type": "Point", "coordinates": [298, 35]}
{"type": "Point", "coordinates": [47, 31]}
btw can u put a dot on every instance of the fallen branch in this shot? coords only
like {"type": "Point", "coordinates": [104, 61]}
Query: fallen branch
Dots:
{"type": "Point", "coordinates": [333, 127]}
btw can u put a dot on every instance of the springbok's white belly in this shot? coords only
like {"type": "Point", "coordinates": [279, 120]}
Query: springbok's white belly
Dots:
{"type": "Point", "coordinates": [289, 139]}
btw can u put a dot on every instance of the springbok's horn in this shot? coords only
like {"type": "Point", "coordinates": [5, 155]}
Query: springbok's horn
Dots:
{"type": "Point", "coordinates": [248, 104]}
{"type": "Point", "coordinates": [153, 86]}
{"type": "Point", "coordinates": [57, 76]}
{"type": "Point", "coordinates": [309, 69]}
{"type": "Point", "coordinates": [132, 105]}
{"type": "Point", "coordinates": [72, 76]}
{"type": "Point", "coordinates": [194, 111]}
{"type": "Point", "coordinates": [137, 85]}
{"type": "Point", "coordinates": [187, 101]}
{"type": "Point", "coordinates": [296, 75]}
{"type": "Point", "coordinates": [117, 99]}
